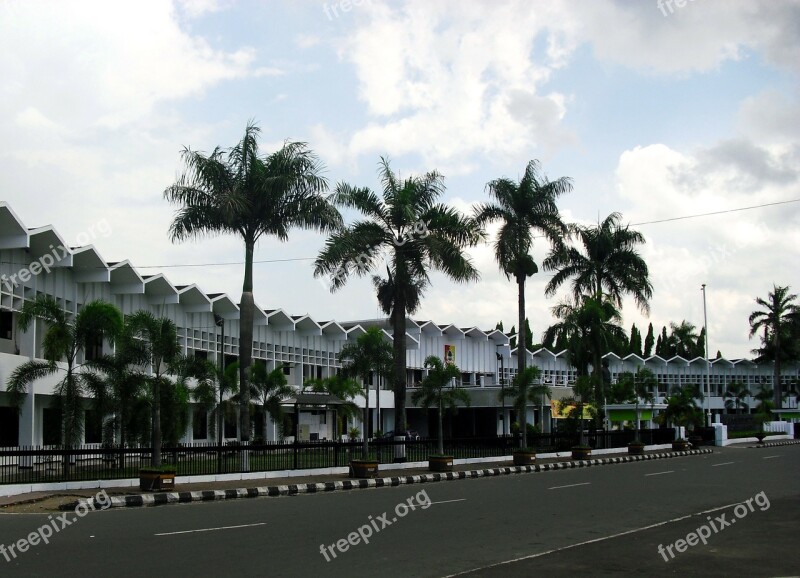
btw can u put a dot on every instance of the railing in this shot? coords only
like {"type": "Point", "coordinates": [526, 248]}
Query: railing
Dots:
{"type": "Point", "coordinates": [28, 465]}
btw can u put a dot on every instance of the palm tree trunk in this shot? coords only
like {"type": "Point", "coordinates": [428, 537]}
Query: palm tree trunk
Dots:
{"type": "Point", "coordinates": [265, 428]}
{"type": "Point", "coordinates": [156, 422]}
{"type": "Point", "coordinates": [522, 354]}
{"type": "Point", "coordinates": [441, 429]}
{"type": "Point", "coordinates": [365, 448]}
{"type": "Point", "coordinates": [776, 379]}
{"type": "Point", "coordinates": [246, 312]}
{"type": "Point", "coordinates": [399, 378]}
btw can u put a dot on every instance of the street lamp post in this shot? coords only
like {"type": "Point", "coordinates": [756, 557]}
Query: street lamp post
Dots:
{"type": "Point", "coordinates": [708, 359]}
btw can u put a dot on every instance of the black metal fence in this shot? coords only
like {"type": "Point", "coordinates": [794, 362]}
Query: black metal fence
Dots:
{"type": "Point", "coordinates": [28, 465]}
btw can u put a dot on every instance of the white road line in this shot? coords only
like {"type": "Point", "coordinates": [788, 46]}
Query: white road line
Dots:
{"type": "Point", "coordinates": [769, 457]}
{"type": "Point", "coordinates": [722, 464]}
{"type": "Point", "coordinates": [718, 509]}
{"type": "Point", "coordinates": [448, 501]}
{"type": "Point", "coordinates": [210, 529]}
{"type": "Point", "coordinates": [554, 550]}
{"type": "Point", "coordinates": [569, 486]}
{"type": "Point", "coordinates": [660, 473]}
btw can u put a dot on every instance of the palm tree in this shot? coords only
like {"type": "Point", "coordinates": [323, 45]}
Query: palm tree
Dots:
{"type": "Point", "coordinates": [779, 310]}
{"type": "Point", "coordinates": [416, 235]}
{"type": "Point", "coordinates": [683, 340]}
{"type": "Point", "coordinates": [65, 339]}
{"type": "Point", "coordinates": [525, 390]}
{"type": "Point", "coordinates": [641, 390]}
{"type": "Point", "coordinates": [118, 383]}
{"type": "Point", "coordinates": [439, 390]}
{"type": "Point", "coordinates": [681, 408]}
{"type": "Point", "coordinates": [238, 192]}
{"type": "Point", "coordinates": [522, 209]}
{"type": "Point", "coordinates": [345, 389]}
{"type": "Point", "coordinates": [216, 391]}
{"type": "Point", "coordinates": [609, 264]}
{"type": "Point", "coordinates": [736, 395]}
{"type": "Point", "coordinates": [270, 389]}
{"type": "Point", "coordinates": [159, 336]}
{"type": "Point", "coordinates": [370, 355]}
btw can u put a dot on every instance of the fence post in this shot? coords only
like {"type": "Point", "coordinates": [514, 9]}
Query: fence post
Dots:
{"type": "Point", "coordinates": [295, 454]}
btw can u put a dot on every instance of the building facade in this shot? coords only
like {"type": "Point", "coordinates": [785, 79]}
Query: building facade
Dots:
{"type": "Point", "coordinates": [39, 261]}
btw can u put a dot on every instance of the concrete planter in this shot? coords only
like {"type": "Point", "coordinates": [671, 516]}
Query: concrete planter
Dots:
{"type": "Point", "coordinates": [150, 480]}
{"type": "Point", "coordinates": [440, 463]}
{"type": "Point", "coordinates": [579, 453]}
{"type": "Point", "coordinates": [680, 445]}
{"type": "Point", "coordinates": [635, 449]}
{"type": "Point", "coordinates": [524, 458]}
{"type": "Point", "coordinates": [364, 468]}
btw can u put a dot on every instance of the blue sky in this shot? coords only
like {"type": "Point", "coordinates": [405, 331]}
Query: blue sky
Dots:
{"type": "Point", "coordinates": [654, 115]}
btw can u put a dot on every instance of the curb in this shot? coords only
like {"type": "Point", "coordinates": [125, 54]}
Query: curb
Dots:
{"type": "Point", "coordinates": [362, 484]}
{"type": "Point", "coordinates": [775, 444]}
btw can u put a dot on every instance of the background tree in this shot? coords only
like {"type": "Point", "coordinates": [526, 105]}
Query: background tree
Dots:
{"type": "Point", "coordinates": [523, 209]}
{"type": "Point", "coordinates": [635, 342]}
{"type": "Point", "coordinates": [159, 337]}
{"type": "Point", "coordinates": [440, 389]}
{"type": "Point", "coordinates": [216, 390]}
{"type": "Point", "coordinates": [370, 356]}
{"type": "Point", "coordinates": [238, 192]}
{"type": "Point", "coordinates": [605, 262]}
{"type": "Point", "coordinates": [681, 408]}
{"type": "Point", "coordinates": [775, 317]}
{"type": "Point", "coordinates": [638, 388]}
{"type": "Point", "coordinates": [525, 390]}
{"type": "Point", "coordinates": [735, 395]}
{"type": "Point", "coordinates": [683, 340]}
{"type": "Point", "coordinates": [416, 235]}
{"type": "Point", "coordinates": [649, 341]}
{"type": "Point", "coordinates": [345, 389]}
{"type": "Point", "coordinates": [270, 389]}
{"type": "Point", "coordinates": [66, 339]}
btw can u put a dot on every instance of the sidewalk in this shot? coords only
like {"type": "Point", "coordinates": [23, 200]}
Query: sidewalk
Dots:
{"type": "Point", "coordinates": [45, 502]}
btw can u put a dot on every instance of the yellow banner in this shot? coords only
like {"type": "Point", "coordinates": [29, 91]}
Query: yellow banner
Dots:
{"type": "Point", "coordinates": [562, 411]}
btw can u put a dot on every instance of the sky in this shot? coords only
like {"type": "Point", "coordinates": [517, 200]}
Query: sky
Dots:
{"type": "Point", "coordinates": [657, 110]}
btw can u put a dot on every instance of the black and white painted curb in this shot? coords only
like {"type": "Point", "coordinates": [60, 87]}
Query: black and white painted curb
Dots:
{"type": "Point", "coordinates": [775, 444]}
{"type": "Point", "coordinates": [294, 489]}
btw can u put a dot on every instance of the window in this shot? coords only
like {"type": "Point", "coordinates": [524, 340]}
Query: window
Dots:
{"type": "Point", "coordinates": [9, 427]}
{"type": "Point", "coordinates": [198, 354]}
{"type": "Point", "coordinates": [287, 370]}
{"type": "Point", "coordinates": [6, 325]}
{"type": "Point", "coordinates": [93, 427]}
{"type": "Point", "coordinates": [199, 424]}
{"type": "Point", "coordinates": [51, 426]}
{"type": "Point", "coordinates": [94, 349]}
{"type": "Point", "coordinates": [230, 426]}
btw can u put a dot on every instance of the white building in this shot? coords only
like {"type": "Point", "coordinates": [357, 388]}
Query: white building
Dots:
{"type": "Point", "coordinates": [35, 261]}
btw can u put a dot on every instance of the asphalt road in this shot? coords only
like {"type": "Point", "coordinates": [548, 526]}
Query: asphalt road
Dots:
{"type": "Point", "coordinates": [600, 521]}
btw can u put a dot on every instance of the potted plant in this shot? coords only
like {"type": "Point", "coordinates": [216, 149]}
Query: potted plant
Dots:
{"type": "Point", "coordinates": [524, 456]}
{"type": "Point", "coordinates": [364, 468]}
{"type": "Point", "coordinates": [157, 478]}
{"type": "Point", "coordinates": [581, 452]}
{"type": "Point", "coordinates": [440, 389]}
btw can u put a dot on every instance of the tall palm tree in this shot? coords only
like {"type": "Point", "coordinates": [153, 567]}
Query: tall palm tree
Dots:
{"type": "Point", "coordinates": [777, 312]}
{"type": "Point", "coordinates": [415, 234]}
{"type": "Point", "coordinates": [523, 208]}
{"type": "Point", "coordinates": [65, 339]}
{"type": "Point", "coordinates": [441, 390]}
{"type": "Point", "coordinates": [370, 355]}
{"type": "Point", "coordinates": [159, 336]}
{"type": "Point", "coordinates": [238, 192]}
{"type": "Point", "coordinates": [606, 262]}
{"type": "Point", "coordinates": [525, 390]}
